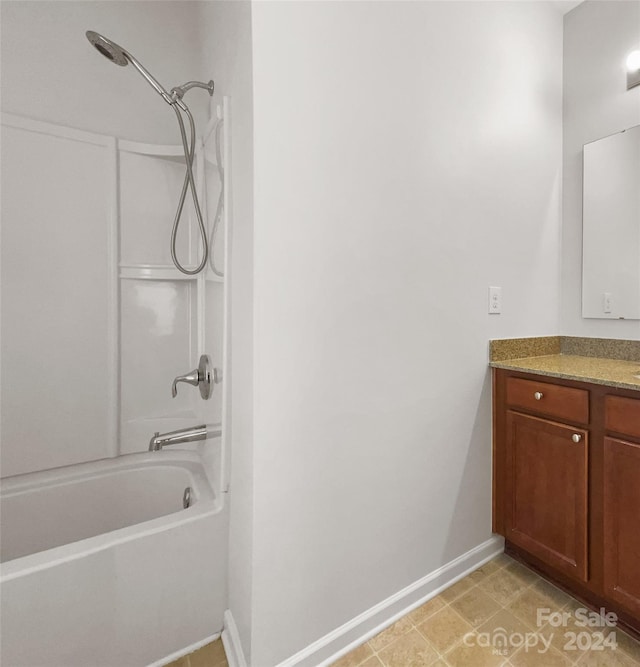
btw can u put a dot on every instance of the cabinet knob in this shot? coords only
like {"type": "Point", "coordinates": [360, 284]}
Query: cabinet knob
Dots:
{"type": "Point", "coordinates": [538, 395]}
{"type": "Point", "coordinates": [576, 437]}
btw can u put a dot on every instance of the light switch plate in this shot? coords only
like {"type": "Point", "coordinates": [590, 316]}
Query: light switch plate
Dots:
{"type": "Point", "coordinates": [495, 300]}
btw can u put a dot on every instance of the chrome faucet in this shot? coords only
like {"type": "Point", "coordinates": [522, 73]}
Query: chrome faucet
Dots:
{"type": "Point", "coordinates": [202, 377]}
{"type": "Point", "coordinates": [201, 432]}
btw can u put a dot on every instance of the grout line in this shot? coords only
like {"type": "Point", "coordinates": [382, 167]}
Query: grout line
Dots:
{"type": "Point", "coordinates": [502, 607]}
{"type": "Point", "coordinates": [442, 656]}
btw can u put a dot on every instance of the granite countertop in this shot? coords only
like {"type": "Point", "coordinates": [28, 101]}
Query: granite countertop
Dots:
{"type": "Point", "coordinates": [615, 363]}
{"type": "Point", "coordinates": [611, 372]}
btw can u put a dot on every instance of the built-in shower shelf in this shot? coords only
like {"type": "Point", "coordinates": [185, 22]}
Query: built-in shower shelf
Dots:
{"type": "Point", "coordinates": [172, 152]}
{"type": "Point", "coordinates": [159, 272]}
{"type": "Point", "coordinates": [157, 150]}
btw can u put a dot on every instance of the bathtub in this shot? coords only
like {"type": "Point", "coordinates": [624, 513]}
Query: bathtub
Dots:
{"type": "Point", "coordinates": [102, 564]}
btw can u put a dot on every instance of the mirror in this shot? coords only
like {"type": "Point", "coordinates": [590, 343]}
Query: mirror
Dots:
{"type": "Point", "coordinates": [611, 227]}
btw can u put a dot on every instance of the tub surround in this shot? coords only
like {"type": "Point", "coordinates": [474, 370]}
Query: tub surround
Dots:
{"type": "Point", "coordinates": [604, 361]}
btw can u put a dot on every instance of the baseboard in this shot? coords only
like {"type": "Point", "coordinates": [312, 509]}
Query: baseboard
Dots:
{"type": "Point", "coordinates": [340, 641]}
{"type": "Point", "coordinates": [184, 651]}
{"type": "Point", "coordinates": [231, 642]}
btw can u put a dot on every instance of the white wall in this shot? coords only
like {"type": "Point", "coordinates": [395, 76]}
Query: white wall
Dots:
{"type": "Point", "coordinates": [51, 72]}
{"type": "Point", "coordinates": [596, 104]}
{"type": "Point", "coordinates": [407, 156]}
{"type": "Point", "coordinates": [226, 40]}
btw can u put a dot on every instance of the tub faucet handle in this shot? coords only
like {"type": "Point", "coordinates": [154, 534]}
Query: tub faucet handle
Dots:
{"type": "Point", "coordinates": [190, 378]}
{"type": "Point", "coordinates": [201, 377]}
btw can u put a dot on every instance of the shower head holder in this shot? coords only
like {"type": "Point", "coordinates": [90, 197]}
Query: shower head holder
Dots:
{"type": "Point", "coordinates": [178, 92]}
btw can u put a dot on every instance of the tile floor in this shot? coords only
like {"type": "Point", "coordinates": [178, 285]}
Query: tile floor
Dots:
{"type": "Point", "coordinates": [501, 594]}
{"type": "Point", "coordinates": [211, 655]}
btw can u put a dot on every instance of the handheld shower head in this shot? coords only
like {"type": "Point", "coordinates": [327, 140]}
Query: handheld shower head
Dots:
{"type": "Point", "coordinates": [116, 54]}
{"type": "Point", "coordinates": [110, 50]}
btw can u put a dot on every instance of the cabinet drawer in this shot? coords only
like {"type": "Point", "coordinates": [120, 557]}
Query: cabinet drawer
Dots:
{"type": "Point", "coordinates": [548, 399]}
{"type": "Point", "coordinates": [622, 415]}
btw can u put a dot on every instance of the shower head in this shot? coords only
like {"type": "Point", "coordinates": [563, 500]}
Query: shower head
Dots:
{"type": "Point", "coordinates": [116, 54]}
{"type": "Point", "coordinates": [110, 50]}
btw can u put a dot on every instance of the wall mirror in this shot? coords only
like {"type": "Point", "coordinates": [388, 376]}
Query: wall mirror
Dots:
{"type": "Point", "coordinates": [611, 227]}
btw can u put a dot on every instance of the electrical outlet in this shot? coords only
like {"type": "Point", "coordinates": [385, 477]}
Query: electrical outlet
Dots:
{"type": "Point", "coordinates": [495, 300]}
{"type": "Point", "coordinates": [607, 301]}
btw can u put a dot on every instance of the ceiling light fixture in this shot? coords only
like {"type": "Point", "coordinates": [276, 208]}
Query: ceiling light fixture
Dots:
{"type": "Point", "coordinates": [633, 69]}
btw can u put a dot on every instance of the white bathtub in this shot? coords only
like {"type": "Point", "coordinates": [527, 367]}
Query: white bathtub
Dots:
{"type": "Point", "coordinates": [103, 566]}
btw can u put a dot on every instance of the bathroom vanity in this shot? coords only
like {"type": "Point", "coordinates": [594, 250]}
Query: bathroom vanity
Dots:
{"type": "Point", "coordinates": [566, 473]}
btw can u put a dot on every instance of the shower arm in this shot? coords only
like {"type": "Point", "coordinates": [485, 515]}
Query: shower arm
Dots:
{"type": "Point", "coordinates": [177, 93]}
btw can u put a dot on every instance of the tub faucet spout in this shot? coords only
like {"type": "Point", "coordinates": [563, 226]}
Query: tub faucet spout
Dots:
{"type": "Point", "coordinates": [201, 432]}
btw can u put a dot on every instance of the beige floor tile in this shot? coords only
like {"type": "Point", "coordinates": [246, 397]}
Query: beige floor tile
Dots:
{"type": "Point", "coordinates": [373, 661]}
{"type": "Point", "coordinates": [429, 608]}
{"type": "Point", "coordinates": [628, 645]}
{"type": "Point", "coordinates": [210, 655]}
{"type": "Point", "coordinates": [502, 586]}
{"type": "Point", "coordinates": [606, 659]}
{"type": "Point", "coordinates": [563, 635]}
{"type": "Point", "coordinates": [559, 640]}
{"type": "Point", "coordinates": [457, 589]}
{"type": "Point", "coordinates": [506, 620]}
{"type": "Point", "coordinates": [473, 656]}
{"type": "Point", "coordinates": [439, 663]}
{"type": "Point", "coordinates": [503, 560]}
{"type": "Point", "coordinates": [533, 658]}
{"type": "Point", "coordinates": [521, 572]}
{"type": "Point", "coordinates": [411, 650]}
{"type": "Point", "coordinates": [611, 644]}
{"type": "Point", "coordinates": [526, 606]}
{"type": "Point", "coordinates": [559, 598]}
{"type": "Point", "coordinates": [503, 631]}
{"type": "Point", "coordinates": [355, 657]}
{"type": "Point", "coordinates": [483, 572]}
{"type": "Point", "coordinates": [444, 629]}
{"type": "Point", "coordinates": [392, 633]}
{"type": "Point", "coordinates": [475, 606]}
{"type": "Point", "coordinates": [180, 662]}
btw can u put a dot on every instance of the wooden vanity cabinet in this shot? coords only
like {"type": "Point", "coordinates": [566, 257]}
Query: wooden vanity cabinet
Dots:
{"type": "Point", "coordinates": [567, 485]}
{"type": "Point", "coordinates": [547, 488]}
{"type": "Point", "coordinates": [621, 500]}
{"type": "Point", "coordinates": [622, 522]}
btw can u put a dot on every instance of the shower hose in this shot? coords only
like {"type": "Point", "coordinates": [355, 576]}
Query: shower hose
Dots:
{"type": "Point", "coordinates": [189, 182]}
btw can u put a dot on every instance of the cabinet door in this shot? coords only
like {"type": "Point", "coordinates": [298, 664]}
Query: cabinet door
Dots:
{"type": "Point", "coordinates": [546, 485]}
{"type": "Point", "coordinates": [622, 523]}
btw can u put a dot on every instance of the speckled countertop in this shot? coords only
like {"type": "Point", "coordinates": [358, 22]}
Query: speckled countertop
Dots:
{"type": "Point", "coordinates": [611, 372]}
{"type": "Point", "coordinates": [569, 358]}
